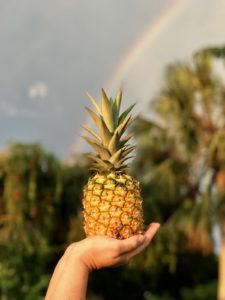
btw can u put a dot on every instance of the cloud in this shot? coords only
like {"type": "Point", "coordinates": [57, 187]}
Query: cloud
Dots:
{"type": "Point", "coordinates": [8, 109]}
{"type": "Point", "coordinates": [11, 110]}
{"type": "Point", "coordinates": [37, 90]}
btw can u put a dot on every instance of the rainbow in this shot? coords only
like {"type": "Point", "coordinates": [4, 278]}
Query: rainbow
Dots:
{"type": "Point", "coordinates": [135, 52]}
{"type": "Point", "coordinates": [142, 43]}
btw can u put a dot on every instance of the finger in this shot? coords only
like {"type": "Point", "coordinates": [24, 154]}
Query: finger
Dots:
{"type": "Point", "coordinates": [153, 228]}
{"type": "Point", "coordinates": [131, 243]}
{"type": "Point", "coordinates": [127, 256]}
{"type": "Point", "coordinates": [148, 237]}
{"type": "Point", "coordinates": [149, 234]}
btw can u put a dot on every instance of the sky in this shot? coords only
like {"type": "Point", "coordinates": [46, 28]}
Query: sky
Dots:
{"type": "Point", "coordinates": [52, 52]}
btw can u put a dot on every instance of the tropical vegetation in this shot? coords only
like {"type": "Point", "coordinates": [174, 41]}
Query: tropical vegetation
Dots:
{"type": "Point", "coordinates": [180, 163]}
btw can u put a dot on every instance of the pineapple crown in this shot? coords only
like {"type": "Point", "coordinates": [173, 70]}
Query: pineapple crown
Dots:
{"type": "Point", "coordinates": [109, 142]}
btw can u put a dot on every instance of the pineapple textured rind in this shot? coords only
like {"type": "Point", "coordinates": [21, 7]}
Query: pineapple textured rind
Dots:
{"type": "Point", "coordinates": [112, 206]}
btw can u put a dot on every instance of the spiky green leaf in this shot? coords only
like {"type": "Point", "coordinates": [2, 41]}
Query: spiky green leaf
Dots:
{"type": "Point", "coordinates": [125, 113]}
{"type": "Point", "coordinates": [121, 161]}
{"type": "Point", "coordinates": [116, 156]}
{"type": "Point", "coordinates": [92, 132]}
{"type": "Point", "coordinates": [94, 103]}
{"type": "Point", "coordinates": [98, 160]}
{"type": "Point", "coordinates": [94, 116]}
{"type": "Point", "coordinates": [125, 139]}
{"type": "Point", "coordinates": [128, 151]}
{"type": "Point", "coordinates": [115, 114]}
{"type": "Point", "coordinates": [105, 134]}
{"type": "Point", "coordinates": [104, 154]}
{"type": "Point", "coordinates": [123, 126]}
{"type": "Point", "coordinates": [107, 112]}
{"type": "Point", "coordinates": [113, 145]}
{"type": "Point", "coordinates": [118, 100]}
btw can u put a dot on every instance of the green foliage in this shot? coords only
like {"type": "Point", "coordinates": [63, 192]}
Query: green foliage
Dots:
{"type": "Point", "coordinates": [150, 296]}
{"type": "Point", "coordinates": [39, 199]}
{"type": "Point", "coordinates": [200, 292]}
{"type": "Point", "coordinates": [218, 52]}
{"type": "Point", "coordinates": [180, 153]}
{"type": "Point", "coordinates": [31, 243]}
{"type": "Point", "coordinates": [179, 156]}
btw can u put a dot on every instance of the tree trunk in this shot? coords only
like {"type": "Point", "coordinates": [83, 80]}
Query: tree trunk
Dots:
{"type": "Point", "coordinates": [221, 279]}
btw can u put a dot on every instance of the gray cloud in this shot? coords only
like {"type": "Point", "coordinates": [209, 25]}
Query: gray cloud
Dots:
{"type": "Point", "coordinates": [72, 46]}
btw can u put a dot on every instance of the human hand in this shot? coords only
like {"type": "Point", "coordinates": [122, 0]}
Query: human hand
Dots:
{"type": "Point", "coordinates": [97, 252]}
{"type": "Point", "coordinates": [70, 277]}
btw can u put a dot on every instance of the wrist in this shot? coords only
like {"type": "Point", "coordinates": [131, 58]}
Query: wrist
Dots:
{"type": "Point", "coordinates": [79, 259]}
{"type": "Point", "coordinates": [80, 264]}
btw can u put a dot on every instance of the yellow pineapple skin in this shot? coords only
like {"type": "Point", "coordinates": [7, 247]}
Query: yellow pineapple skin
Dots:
{"type": "Point", "coordinates": [112, 206]}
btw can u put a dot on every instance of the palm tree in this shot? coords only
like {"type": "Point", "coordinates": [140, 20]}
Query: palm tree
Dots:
{"type": "Point", "coordinates": [185, 150]}
{"type": "Point", "coordinates": [219, 150]}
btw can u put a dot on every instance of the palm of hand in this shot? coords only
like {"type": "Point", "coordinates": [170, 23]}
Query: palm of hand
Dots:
{"type": "Point", "coordinates": [100, 251]}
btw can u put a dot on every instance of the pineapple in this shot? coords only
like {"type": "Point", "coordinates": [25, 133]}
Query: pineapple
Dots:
{"type": "Point", "coordinates": [112, 200]}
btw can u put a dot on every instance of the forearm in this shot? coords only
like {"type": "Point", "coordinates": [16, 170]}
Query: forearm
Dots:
{"type": "Point", "coordinates": [76, 279]}
{"type": "Point", "coordinates": [69, 281]}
